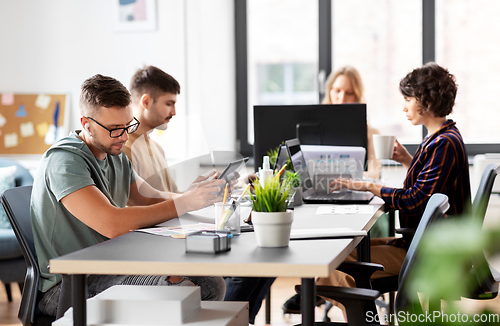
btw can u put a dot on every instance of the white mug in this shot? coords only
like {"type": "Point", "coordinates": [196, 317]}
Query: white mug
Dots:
{"type": "Point", "coordinates": [384, 146]}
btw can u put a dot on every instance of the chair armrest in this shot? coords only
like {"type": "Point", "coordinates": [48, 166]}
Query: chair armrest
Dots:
{"type": "Point", "coordinates": [406, 231]}
{"type": "Point", "coordinates": [338, 293]}
{"type": "Point", "coordinates": [360, 271]}
{"type": "Point", "coordinates": [357, 302]}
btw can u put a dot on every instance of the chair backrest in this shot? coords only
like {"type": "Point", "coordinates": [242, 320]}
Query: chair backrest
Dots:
{"type": "Point", "coordinates": [487, 285]}
{"type": "Point", "coordinates": [483, 194]}
{"type": "Point", "coordinates": [16, 202]}
{"type": "Point", "coordinates": [435, 209]}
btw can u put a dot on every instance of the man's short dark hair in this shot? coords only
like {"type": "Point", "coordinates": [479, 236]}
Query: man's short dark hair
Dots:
{"type": "Point", "coordinates": [153, 81]}
{"type": "Point", "coordinates": [102, 91]}
{"type": "Point", "coordinates": [433, 87]}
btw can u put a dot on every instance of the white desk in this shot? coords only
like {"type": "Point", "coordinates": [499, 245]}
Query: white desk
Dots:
{"type": "Point", "coordinates": [140, 253]}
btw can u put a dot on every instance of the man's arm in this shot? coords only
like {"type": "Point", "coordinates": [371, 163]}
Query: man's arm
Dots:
{"type": "Point", "coordinates": [93, 209]}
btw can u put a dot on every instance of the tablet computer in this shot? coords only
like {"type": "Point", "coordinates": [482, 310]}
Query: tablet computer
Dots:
{"type": "Point", "coordinates": [231, 168]}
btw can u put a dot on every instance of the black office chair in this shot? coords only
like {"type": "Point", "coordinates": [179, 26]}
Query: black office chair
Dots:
{"type": "Point", "coordinates": [487, 286]}
{"type": "Point", "coordinates": [12, 265]}
{"type": "Point", "coordinates": [406, 300]}
{"type": "Point", "coordinates": [16, 202]}
{"type": "Point", "coordinates": [487, 279]}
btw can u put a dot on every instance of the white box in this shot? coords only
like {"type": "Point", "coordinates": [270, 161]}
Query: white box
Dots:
{"type": "Point", "coordinates": [140, 305]}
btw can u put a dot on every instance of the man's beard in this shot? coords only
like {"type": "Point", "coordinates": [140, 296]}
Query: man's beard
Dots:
{"type": "Point", "coordinates": [164, 126]}
{"type": "Point", "coordinates": [108, 150]}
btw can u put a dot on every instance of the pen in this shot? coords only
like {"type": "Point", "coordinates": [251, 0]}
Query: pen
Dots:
{"type": "Point", "coordinates": [281, 170]}
{"type": "Point", "coordinates": [226, 214]}
{"type": "Point", "coordinates": [225, 194]}
{"type": "Point", "coordinates": [243, 193]}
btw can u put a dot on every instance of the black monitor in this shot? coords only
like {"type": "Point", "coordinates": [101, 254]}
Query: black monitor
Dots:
{"type": "Point", "coordinates": [313, 124]}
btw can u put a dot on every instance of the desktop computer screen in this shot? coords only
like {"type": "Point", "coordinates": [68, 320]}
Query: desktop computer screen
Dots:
{"type": "Point", "coordinates": [314, 124]}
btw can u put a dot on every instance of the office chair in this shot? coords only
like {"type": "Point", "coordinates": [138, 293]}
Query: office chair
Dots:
{"type": "Point", "coordinates": [16, 202]}
{"type": "Point", "coordinates": [488, 280]}
{"type": "Point", "coordinates": [405, 301]}
{"type": "Point", "coordinates": [12, 265]}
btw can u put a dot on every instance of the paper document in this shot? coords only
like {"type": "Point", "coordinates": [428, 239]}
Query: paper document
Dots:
{"type": "Point", "coordinates": [344, 209]}
{"type": "Point", "coordinates": [325, 233]}
{"type": "Point", "coordinates": [168, 231]}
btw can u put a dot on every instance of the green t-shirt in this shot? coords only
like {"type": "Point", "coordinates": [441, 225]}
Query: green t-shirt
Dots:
{"type": "Point", "coordinates": [66, 167]}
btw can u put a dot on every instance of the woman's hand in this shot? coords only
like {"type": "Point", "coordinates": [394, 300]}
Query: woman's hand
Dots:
{"type": "Point", "coordinates": [401, 155]}
{"type": "Point", "coordinates": [341, 183]}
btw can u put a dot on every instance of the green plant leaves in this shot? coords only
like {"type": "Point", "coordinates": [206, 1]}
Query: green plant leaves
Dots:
{"type": "Point", "coordinates": [272, 197]}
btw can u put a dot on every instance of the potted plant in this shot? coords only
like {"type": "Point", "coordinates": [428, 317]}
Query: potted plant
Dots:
{"type": "Point", "coordinates": [295, 183]}
{"type": "Point", "coordinates": [271, 219]}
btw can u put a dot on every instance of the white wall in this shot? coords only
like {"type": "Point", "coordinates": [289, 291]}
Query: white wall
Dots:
{"type": "Point", "coordinates": [52, 46]}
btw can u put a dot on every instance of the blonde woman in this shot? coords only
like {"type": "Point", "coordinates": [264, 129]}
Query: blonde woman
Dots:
{"type": "Point", "coordinates": [345, 86]}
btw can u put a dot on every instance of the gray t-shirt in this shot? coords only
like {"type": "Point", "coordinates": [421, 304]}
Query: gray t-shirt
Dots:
{"type": "Point", "coordinates": [66, 167]}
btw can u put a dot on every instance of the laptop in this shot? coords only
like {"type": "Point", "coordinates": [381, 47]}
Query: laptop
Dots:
{"type": "Point", "coordinates": [320, 195]}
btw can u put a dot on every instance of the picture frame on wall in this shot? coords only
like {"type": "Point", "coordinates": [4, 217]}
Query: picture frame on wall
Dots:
{"type": "Point", "coordinates": [134, 15]}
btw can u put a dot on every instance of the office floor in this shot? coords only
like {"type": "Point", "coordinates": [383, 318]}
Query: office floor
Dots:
{"type": "Point", "coordinates": [8, 310]}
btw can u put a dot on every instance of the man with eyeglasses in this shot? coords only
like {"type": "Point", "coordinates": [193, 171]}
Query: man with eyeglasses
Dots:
{"type": "Point", "coordinates": [86, 191]}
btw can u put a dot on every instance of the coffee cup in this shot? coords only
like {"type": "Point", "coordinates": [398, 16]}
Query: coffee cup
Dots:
{"type": "Point", "coordinates": [384, 146]}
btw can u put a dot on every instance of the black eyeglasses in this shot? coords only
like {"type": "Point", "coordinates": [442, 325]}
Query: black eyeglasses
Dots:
{"type": "Point", "coordinates": [118, 132]}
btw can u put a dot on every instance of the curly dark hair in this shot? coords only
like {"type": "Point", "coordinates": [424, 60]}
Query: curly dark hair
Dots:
{"type": "Point", "coordinates": [433, 87]}
{"type": "Point", "coordinates": [102, 91]}
{"type": "Point", "coordinates": [153, 81]}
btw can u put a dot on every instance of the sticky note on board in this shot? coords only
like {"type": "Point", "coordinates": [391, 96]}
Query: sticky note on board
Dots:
{"type": "Point", "coordinates": [10, 140]}
{"type": "Point", "coordinates": [50, 136]}
{"type": "Point", "coordinates": [43, 101]}
{"type": "Point", "coordinates": [42, 129]}
{"type": "Point", "coordinates": [21, 113]}
{"type": "Point", "coordinates": [7, 99]}
{"type": "Point", "coordinates": [27, 129]}
{"type": "Point", "coordinates": [3, 120]}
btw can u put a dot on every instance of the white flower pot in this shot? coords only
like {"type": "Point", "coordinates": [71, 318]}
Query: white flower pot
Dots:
{"type": "Point", "coordinates": [272, 229]}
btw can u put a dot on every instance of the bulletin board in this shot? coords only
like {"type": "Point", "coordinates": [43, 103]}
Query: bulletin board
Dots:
{"type": "Point", "coordinates": [31, 123]}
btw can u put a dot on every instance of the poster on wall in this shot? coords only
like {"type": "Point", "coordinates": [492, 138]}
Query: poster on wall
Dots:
{"type": "Point", "coordinates": [134, 15]}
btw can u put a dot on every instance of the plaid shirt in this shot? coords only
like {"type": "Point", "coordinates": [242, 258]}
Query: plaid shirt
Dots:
{"type": "Point", "coordinates": [440, 165]}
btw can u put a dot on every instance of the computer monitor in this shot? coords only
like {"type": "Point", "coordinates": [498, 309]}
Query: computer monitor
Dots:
{"type": "Point", "coordinates": [313, 124]}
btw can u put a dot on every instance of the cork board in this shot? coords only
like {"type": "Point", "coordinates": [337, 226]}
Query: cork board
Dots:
{"type": "Point", "coordinates": [31, 123]}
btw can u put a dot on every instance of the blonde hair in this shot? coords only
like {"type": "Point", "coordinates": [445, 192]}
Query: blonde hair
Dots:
{"type": "Point", "coordinates": [354, 77]}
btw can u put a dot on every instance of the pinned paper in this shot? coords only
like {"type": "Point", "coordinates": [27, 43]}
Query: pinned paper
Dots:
{"type": "Point", "coordinates": [21, 113]}
{"type": "Point", "coordinates": [43, 101]}
{"type": "Point", "coordinates": [27, 129]}
{"type": "Point", "coordinates": [53, 134]}
{"type": "Point", "coordinates": [3, 120]}
{"type": "Point", "coordinates": [10, 140]}
{"type": "Point", "coordinates": [50, 136]}
{"type": "Point", "coordinates": [42, 129]}
{"type": "Point", "coordinates": [7, 99]}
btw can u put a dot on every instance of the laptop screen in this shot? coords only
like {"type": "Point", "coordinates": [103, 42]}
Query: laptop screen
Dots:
{"type": "Point", "coordinates": [281, 158]}
{"type": "Point", "coordinates": [298, 162]}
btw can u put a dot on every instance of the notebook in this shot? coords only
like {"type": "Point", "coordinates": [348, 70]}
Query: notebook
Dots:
{"type": "Point", "coordinates": [332, 233]}
{"type": "Point", "coordinates": [314, 195]}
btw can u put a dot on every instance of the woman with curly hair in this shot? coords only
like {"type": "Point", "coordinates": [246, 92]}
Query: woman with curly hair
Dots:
{"type": "Point", "coordinates": [439, 166]}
